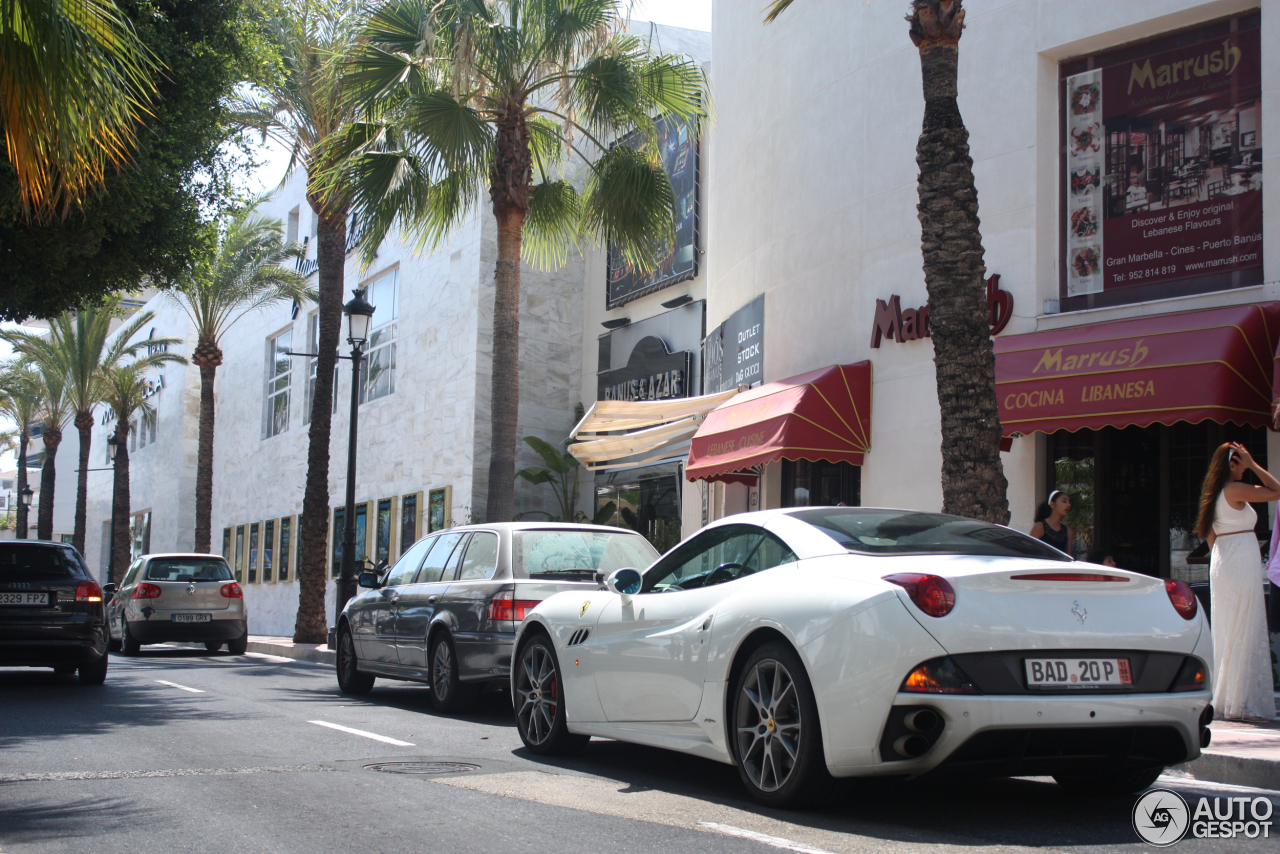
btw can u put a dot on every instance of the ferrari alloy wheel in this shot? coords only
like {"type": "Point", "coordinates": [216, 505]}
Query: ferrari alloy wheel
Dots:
{"type": "Point", "coordinates": [350, 679]}
{"type": "Point", "coordinates": [539, 701]}
{"type": "Point", "coordinates": [776, 738]}
{"type": "Point", "coordinates": [448, 694]}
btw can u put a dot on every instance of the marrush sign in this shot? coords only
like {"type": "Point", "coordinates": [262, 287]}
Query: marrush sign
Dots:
{"type": "Point", "coordinates": [897, 324]}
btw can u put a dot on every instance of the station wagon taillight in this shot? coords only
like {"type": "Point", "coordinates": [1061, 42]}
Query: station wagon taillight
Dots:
{"type": "Point", "coordinates": [147, 591]}
{"type": "Point", "coordinates": [505, 606]}
{"type": "Point", "coordinates": [88, 591]}
{"type": "Point", "coordinates": [231, 591]}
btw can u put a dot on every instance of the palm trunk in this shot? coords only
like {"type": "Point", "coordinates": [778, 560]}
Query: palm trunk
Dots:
{"type": "Point", "coordinates": [207, 356]}
{"type": "Point", "coordinates": [84, 426]}
{"type": "Point", "coordinates": [20, 516]}
{"type": "Point", "coordinates": [973, 481]}
{"type": "Point", "coordinates": [509, 190]}
{"type": "Point", "coordinates": [313, 550]}
{"type": "Point", "coordinates": [121, 543]}
{"type": "Point", "coordinates": [48, 477]}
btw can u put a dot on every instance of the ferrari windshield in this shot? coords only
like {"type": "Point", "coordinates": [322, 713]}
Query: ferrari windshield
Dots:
{"type": "Point", "coordinates": [894, 532]}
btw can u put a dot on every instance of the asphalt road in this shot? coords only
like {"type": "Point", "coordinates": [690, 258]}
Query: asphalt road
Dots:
{"type": "Point", "coordinates": [183, 751]}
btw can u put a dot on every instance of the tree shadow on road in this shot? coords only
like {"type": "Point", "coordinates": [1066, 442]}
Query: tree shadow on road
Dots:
{"type": "Point", "coordinates": [36, 814]}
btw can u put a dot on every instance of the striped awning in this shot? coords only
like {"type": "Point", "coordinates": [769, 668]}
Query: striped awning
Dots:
{"type": "Point", "coordinates": [621, 434]}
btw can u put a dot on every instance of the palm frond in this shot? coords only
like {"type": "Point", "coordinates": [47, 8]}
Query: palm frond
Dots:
{"type": "Point", "coordinates": [628, 203]}
{"type": "Point", "coordinates": [552, 225]}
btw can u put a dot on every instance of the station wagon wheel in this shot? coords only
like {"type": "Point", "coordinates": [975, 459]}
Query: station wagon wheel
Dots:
{"type": "Point", "coordinates": [539, 701]}
{"type": "Point", "coordinates": [350, 679]}
{"type": "Point", "coordinates": [448, 693]}
{"type": "Point", "coordinates": [776, 737]}
{"type": "Point", "coordinates": [129, 645]}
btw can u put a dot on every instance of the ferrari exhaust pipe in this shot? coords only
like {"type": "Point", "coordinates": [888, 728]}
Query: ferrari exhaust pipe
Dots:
{"type": "Point", "coordinates": [921, 720]}
{"type": "Point", "coordinates": [911, 746]}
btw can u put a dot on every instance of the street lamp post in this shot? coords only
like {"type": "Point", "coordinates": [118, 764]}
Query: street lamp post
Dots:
{"type": "Point", "coordinates": [112, 445]}
{"type": "Point", "coordinates": [25, 497]}
{"type": "Point", "coordinates": [359, 314]}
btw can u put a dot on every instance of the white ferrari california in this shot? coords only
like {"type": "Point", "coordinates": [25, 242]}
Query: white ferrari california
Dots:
{"type": "Point", "coordinates": [813, 643]}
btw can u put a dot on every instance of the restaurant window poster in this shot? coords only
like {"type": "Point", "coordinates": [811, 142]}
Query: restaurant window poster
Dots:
{"type": "Point", "coordinates": [1163, 168]}
{"type": "Point", "coordinates": [679, 150]}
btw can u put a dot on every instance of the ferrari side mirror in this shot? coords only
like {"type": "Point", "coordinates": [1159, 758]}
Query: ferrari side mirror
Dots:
{"type": "Point", "coordinates": [624, 582]}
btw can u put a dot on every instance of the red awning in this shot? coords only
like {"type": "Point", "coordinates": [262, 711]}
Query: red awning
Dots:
{"type": "Point", "coordinates": [821, 415]}
{"type": "Point", "coordinates": [1191, 366]}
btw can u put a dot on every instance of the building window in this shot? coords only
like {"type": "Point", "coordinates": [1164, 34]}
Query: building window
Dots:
{"type": "Point", "coordinates": [820, 484]}
{"type": "Point", "coordinates": [226, 544]}
{"type": "Point", "coordinates": [268, 550]}
{"type": "Point", "coordinates": [253, 553]}
{"type": "Point", "coordinates": [339, 526]}
{"type": "Point", "coordinates": [382, 541]}
{"type": "Point", "coordinates": [140, 534]}
{"type": "Point", "coordinates": [378, 371]}
{"type": "Point", "coordinates": [408, 521]}
{"type": "Point", "coordinates": [291, 232]}
{"type": "Point", "coordinates": [238, 566]}
{"type": "Point", "coordinates": [133, 437]}
{"type": "Point", "coordinates": [282, 552]}
{"type": "Point", "coordinates": [279, 376]}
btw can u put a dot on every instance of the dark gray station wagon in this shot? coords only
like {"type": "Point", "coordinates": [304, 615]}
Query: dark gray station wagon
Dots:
{"type": "Point", "coordinates": [446, 612]}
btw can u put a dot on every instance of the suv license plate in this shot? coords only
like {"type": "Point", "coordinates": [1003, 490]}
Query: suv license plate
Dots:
{"type": "Point", "coordinates": [24, 598]}
{"type": "Point", "coordinates": [1078, 672]}
{"type": "Point", "coordinates": [192, 618]}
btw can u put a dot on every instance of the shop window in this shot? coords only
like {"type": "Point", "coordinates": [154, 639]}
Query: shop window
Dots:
{"type": "Point", "coordinates": [239, 561]}
{"type": "Point", "coordinates": [268, 550]}
{"type": "Point", "coordinates": [646, 500]}
{"type": "Point", "coordinates": [253, 553]}
{"type": "Point", "coordinates": [282, 551]}
{"type": "Point", "coordinates": [226, 544]}
{"type": "Point", "coordinates": [140, 534]}
{"type": "Point", "coordinates": [382, 541]}
{"type": "Point", "coordinates": [279, 378]}
{"type": "Point", "coordinates": [408, 521]}
{"type": "Point", "coordinates": [819, 483]}
{"type": "Point", "coordinates": [378, 370]}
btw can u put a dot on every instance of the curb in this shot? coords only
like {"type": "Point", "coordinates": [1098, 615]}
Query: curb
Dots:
{"type": "Point", "coordinates": [318, 654]}
{"type": "Point", "coordinates": [1234, 770]}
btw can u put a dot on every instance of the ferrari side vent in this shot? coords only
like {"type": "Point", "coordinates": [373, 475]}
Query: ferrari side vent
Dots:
{"type": "Point", "coordinates": [578, 637]}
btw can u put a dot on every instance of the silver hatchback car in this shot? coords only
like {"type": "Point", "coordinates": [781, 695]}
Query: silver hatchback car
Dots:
{"type": "Point", "coordinates": [446, 612]}
{"type": "Point", "coordinates": [178, 597]}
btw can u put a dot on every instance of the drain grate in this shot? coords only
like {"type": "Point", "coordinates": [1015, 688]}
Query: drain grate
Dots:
{"type": "Point", "coordinates": [422, 767]}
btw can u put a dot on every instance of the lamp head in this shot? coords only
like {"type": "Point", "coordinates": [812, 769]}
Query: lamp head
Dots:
{"type": "Point", "coordinates": [359, 313]}
{"type": "Point", "coordinates": [27, 495]}
{"type": "Point", "coordinates": [112, 444]}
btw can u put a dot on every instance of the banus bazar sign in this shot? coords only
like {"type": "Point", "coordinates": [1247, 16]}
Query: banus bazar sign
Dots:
{"type": "Point", "coordinates": [652, 372]}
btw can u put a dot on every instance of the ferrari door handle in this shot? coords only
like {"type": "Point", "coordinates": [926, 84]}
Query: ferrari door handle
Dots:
{"type": "Point", "coordinates": [705, 625]}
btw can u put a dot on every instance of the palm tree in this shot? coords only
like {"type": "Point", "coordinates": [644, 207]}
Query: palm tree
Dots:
{"type": "Point", "coordinates": [245, 274]}
{"type": "Point", "coordinates": [124, 389]}
{"type": "Point", "coordinates": [973, 481]}
{"type": "Point", "coordinates": [301, 108]}
{"type": "Point", "coordinates": [21, 396]}
{"type": "Point", "coordinates": [469, 96]}
{"type": "Point", "coordinates": [55, 413]}
{"type": "Point", "coordinates": [75, 81]}
{"type": "Point", "coordinates": [79, 347]}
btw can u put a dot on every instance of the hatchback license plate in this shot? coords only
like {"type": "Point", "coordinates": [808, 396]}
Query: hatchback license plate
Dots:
{"type": "Point", "coordinates": [192, 618]}
{"type": "Point", "coordinates": [24, 598]}
{"type": "Point", "coordinates": [1078, 672]}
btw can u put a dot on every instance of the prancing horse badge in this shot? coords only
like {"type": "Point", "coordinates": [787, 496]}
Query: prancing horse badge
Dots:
{"type": "Point", "coordinates": [585, 606]}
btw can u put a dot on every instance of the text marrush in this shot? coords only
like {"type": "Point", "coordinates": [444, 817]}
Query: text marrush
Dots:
{"type": "Point", "coordinates": [1053, 362]}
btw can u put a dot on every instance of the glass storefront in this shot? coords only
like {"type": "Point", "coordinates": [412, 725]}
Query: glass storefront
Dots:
{"type": "Point", "coordinates": [646, 500]}
{"type": "Point", "coordinates": [1136, 491]}
{"type": "Point", "coordinates": [820, 484]}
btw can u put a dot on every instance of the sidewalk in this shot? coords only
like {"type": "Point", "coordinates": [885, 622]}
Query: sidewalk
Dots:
{"type": "Point", "coordinates": [1241, 754]}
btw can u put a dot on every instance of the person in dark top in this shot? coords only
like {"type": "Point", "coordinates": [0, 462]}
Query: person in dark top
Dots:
{"type": "Point", "coordinates": [1049, 526]}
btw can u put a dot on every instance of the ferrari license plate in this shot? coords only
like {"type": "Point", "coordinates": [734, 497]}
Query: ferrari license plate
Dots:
{"type": "Point", "coordinates": [1078, 672]}
{"type": "Point", "coordinates": [192, 618]}
{"type": "Point", "coordinates": [24, 598]}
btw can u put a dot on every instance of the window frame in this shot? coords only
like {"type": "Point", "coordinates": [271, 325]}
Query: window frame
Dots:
{"type": "Point", "coordinates": [278, 385]}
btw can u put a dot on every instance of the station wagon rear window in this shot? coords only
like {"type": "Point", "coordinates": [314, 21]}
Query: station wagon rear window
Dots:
{"type": "Point", "coordinates": [19, 562]}
{"type": "Point", "coordinates": [901, 532]}
{"type": "Point", "coordinates": [187, 569]}
{"type": "Point", "coordinates": [577, 555]}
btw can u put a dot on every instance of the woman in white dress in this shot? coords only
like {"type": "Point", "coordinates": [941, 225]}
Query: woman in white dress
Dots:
{"type": "Point", "coordinates": [1241, 650]}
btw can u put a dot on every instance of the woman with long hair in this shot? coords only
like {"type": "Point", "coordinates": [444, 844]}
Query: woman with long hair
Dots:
{"type": "Point", "coordinates": [1241, 652]}
{"type": "Point", "coordinates": [1049, 526]}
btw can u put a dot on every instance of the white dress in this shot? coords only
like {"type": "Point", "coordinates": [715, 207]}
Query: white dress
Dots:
{"type": "Point", "coordinates": [1241, 648]}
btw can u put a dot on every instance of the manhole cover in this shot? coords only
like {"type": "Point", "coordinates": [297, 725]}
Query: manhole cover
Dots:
{"type": "Point", "coordinates": [422, 767]}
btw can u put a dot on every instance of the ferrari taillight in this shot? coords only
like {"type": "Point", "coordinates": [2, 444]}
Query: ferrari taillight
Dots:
{"type": "Point", "coordinates": [932, 594]}
{"type": "Point", "coordinates": [1184, 601]}
{"type": "Point", "coordinates": [938, 676]}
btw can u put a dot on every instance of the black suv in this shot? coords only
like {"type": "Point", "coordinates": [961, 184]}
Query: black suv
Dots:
{"type": "Point", "coordinates": [51, 611]}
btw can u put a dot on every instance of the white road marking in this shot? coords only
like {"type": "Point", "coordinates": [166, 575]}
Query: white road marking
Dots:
{"type": "Point", "coordinates": [181, 687]}
{"type": "Point", "coordinates": [1193, 783]}
{"type": "Point", "coordinates": [279, 658]}
{"type": "Point", "coordinates": [763, 838]}
{"type": "Point", "coordinates": [361, 732]}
